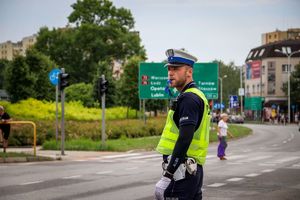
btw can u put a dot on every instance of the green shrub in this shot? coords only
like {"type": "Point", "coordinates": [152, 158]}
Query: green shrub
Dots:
{"type": "Point", "coordinates": [22, 134]}
{"type": "Point", "coordinates": [32, 109]}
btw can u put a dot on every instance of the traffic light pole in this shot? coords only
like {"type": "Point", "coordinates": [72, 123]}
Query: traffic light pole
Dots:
{"type": "Point", "coordinates": [103, 116]}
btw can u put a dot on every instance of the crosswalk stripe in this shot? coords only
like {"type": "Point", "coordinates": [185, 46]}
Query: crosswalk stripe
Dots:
{"type": "Point", "coordinates": [234, 179]}
{"type": "Point", "coordinates": [122, 155]}
{"type": "Point", "coordinates": [216, 185]}
{"type": "Point", "coordinates": [288, 159]}
{"type": "Point", "coordinates": [144, 156]}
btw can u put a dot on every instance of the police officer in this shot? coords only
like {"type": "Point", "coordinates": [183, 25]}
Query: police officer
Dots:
{"type": "Point", "coordinates": [185, 138]}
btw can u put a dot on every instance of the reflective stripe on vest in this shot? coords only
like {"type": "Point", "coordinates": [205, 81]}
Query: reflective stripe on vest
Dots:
{"type": "Point", "coordinates": [200, 141]}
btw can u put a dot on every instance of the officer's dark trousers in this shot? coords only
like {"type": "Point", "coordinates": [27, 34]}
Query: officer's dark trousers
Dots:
{"type": "Point", "coordinates": [186, 189]}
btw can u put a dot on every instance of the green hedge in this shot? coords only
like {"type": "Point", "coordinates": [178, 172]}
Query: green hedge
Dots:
{"type": "Point", "coordinates": [35, 110]}
{"type": "Point", "coordinates": [132, 128]}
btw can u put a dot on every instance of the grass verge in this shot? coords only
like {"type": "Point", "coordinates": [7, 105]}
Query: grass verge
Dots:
{"type": "Point", "coordinates": [126, 144]}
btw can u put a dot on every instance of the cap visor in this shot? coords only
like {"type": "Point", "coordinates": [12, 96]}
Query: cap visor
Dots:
{"type": "Point", "coordinates": [173, 65]}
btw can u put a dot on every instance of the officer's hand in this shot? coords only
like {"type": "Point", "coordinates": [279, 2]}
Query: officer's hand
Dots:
{"type": "Point", "coordinates": [160, 187]}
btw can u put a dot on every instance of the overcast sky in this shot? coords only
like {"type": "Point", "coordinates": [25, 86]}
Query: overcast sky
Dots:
{"type": "Point", "coordinates": [214, 29]}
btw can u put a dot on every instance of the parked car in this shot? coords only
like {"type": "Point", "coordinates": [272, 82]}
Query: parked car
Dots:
{"type": "Point", "coordinates": [236, 119]}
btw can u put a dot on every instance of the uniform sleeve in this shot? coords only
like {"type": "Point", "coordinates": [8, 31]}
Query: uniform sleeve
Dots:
{"type": "Point", "coordinates": [190, 109]}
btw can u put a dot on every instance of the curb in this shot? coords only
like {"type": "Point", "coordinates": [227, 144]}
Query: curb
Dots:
{"type": "Point", "coordinates": [26, 159]}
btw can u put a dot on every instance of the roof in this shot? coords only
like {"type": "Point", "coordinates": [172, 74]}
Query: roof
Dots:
{"type": "Point", "coordinates": [268, 50]}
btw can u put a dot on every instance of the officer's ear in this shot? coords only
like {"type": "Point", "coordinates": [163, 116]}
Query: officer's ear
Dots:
{"type": "Point", "coordinates": [189, 71]}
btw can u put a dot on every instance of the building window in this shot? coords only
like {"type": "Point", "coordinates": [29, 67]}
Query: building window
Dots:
{"type": "Point", "coordinates": [263, 68]}
{"type": "Point", "coordinates": [270, 36]}
{"type": "Point", "coordinates": [257, 88]}
{"type": "Point", "coordinates": [250, 54]}
{"type": "Point", "coordinates": [285, 68]}
{"type": "Point", "coordinates": [261, 52]}
{"type": "Point", "coordinates": [255, 54]}
{"type": "Point", "coordinates": [253, 89]}
{"type": "Point", "coordinates": [271, 78]}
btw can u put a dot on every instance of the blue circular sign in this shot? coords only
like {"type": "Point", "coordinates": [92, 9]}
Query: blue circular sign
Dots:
{"type": "Point", "coordinates": [53, 76]}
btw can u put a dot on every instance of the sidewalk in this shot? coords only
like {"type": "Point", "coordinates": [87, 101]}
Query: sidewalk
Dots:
{"type": "Point", "coordinates": [56, 154]}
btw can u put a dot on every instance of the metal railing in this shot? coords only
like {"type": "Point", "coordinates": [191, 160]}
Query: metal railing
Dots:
{"type": "Point", "coordinates": [34, 131]}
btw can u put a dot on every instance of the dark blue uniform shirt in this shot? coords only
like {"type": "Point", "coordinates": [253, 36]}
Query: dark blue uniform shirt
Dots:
{"type": "Point", "coordinates": [190, 107]}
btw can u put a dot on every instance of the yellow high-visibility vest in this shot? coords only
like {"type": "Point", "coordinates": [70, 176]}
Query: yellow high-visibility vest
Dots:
{"type": "Point", "coordinates": [200, 141]}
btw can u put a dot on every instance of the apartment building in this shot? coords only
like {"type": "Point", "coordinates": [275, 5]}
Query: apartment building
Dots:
{"type": "Point", "coordinates": [277, 35]}
{"type": "Point", "coordinates": [9, 50]}
{"type": "Point", "coordinates": [266, 71]}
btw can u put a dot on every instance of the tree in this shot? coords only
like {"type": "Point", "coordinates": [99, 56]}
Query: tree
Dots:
{"type": "Point", "coordinates": [3, 65]}
{"type": "Point", "coordinates": [102, 32]}
{"type": "Point", "coordinates": [231, 83]}
{"type": "Point", "coordinates": [80, 92]}
{"type": "Point", "coordinates": [19, 80]}
{"type": "Point", "coordinates": [156, 105]}
{"type": "Point", "coordinates": [129, 83]}
{"type": "Point", "coordinates": [40, 66]}
{"type": "Point", "coordinates": [104, 68]}
{"type": "Point", "coordinates": [294, 85]}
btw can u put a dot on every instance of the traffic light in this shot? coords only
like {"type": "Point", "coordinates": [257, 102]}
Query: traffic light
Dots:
{"type": "Point", "coordinates": [63, 81]}
{"type": "Point", "coordinates": [103, 86]}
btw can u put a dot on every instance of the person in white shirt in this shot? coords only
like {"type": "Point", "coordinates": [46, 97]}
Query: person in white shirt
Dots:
{"type": "Point", "coordinates": [222, 134]}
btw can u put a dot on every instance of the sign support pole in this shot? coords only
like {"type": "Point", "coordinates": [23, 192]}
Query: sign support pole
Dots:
{"type": "Point", "coordinates": [56, 113]}
{"type": "Point", "coordinates": [62, 95]}
{"type": "Point", "coordinates": [103, 116]}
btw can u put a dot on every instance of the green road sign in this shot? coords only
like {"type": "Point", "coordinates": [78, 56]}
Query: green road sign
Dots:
{"type": "Point", "coordinates": [253, 103]}
{"type": "Point", "coordinates": [153, 80]}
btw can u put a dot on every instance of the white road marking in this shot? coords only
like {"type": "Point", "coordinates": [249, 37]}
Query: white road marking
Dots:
{"type": "Point", "coordinates": [216, 185]}
{"type": "Point", "coordinates": [234, 179]}
{"type": "Point", "coordinates": [70, 177]}
{"type": "Point", "coordinates": [233, 157]}
{"type": "Point", "coordinates": [144, 156]}
{"type": "Point", "coordinates": [122, 155]}
{"type": "Point", "coordinates": [288, 159]}
{"type": "Point", "coordinates": [235, 163]}
{"type": "Point", "coordinates": [32, 182]}
{"type": "Point", "coordinates": [106, 161]}
{"type": "Point", "coordinates": [131, 168]}
{"type": "Point", "coordinates": [266, 164]}
{"type": "Point", "coordinates": [252, 175]}
{"type": "Point", "coordinates": [104, 172]}
{"type": "Point", "coordinates": [210, 156]}
{"type": "Point", "coordinates": [158, 158]}
{"type": "Point", "coordinates": [284, 142]}
{"type": "Point", "coordinates": [267, 170]}
{"type": "Point", "coordinates": [274, 145]}
{"type": "Point", "coordinates": [80, 160]}
{"type": "Point", "coordinates": [258, 158]}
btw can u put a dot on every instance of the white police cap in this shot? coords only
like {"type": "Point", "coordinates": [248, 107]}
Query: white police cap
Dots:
{"type": "Point", "coordinates": [179, 57]}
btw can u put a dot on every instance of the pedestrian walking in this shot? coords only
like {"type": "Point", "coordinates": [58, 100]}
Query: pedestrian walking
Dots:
{"type": "Point", "coordinates": [185, 138]}
{"type": "Point", "coordinates": [4, 127]}
{"type": "Point", "coordinates": [222, 136]}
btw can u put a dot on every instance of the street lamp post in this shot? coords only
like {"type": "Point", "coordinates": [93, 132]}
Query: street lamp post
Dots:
{"type": "Point", "coordinates": [287, 51]}
{"type": "Point", "coordinates": [221, 85]}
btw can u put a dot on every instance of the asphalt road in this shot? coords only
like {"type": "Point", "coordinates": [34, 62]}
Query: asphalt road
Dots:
{"type": "Point", "coordinates": [265, 165]}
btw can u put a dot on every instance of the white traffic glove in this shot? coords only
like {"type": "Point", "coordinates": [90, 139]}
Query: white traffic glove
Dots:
{"type": "Point", "coordinates": [160, 187]}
